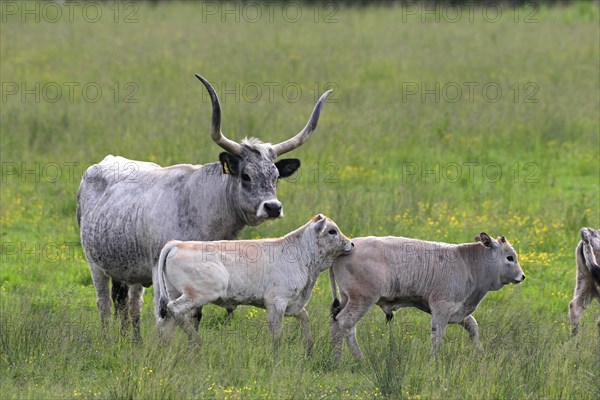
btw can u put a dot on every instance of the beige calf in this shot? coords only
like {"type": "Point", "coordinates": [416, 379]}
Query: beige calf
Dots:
{"type": "Point", "coordinates": [447, 281]}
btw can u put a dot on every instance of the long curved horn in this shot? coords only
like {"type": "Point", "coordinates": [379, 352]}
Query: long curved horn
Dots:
{"type": "Point", "coordinates": [305, 133]}
{"type": "Point", "coordinates": [215, 123]}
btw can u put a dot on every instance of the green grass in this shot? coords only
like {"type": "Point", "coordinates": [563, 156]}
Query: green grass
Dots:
{"type": "Point", "coordinates": [358, 168]}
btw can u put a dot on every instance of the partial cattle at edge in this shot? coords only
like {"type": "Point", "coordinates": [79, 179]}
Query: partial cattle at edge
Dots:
{"type": "Point", "coordinates": [127, 210]}
{"type": "Point", "coordinates": [275, 274]}
{"type": "Point", "coordinates": [446, 280]}
{"type": "Point", "coordinates": [587, 286]}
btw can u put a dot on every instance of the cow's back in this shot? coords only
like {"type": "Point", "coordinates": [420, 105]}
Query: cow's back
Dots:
{"type": "Point", "coordinates": [127, 210]}
{"type": "Point", "coordinates": [108, 172]}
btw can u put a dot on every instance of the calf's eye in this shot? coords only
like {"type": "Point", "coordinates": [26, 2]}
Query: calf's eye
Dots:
{"type": "Point", "coordinates": [246, 178]}
{"type": "Point", "coordinates": [510, 258]}
{"type": "Point", "coordinates": [333, 232]}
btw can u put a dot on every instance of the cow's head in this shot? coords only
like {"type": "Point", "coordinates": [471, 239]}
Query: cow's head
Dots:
{"type": "Point", "coordinates": [251, 165]}
{"type": "Point", "coordinates": [503, 257]}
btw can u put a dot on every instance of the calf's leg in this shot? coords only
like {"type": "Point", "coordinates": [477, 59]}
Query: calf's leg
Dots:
{"type": "Point", "coordinates": [166, 327]}
{"type": "Point", "coordinates": [275, 313]}
{"type": "Point", "coordinates": [182, 309]}
{"type": "Point", "coordinates": [197, 317]}
{"type": "Point", "coordinates": [346, 323]}
{"type": "Point", "coordinates": [336, 338]}
{"type": "Point", "coordinates": [581, 300]}
{"type": "Point", "coordinates": [470, 325]}
{"type": "Point", "coordinates": [353, 343]}
{"type": "Point", "coordinates": [439, 320]}
{"type": "Point", "coordinates": [302, 316]}
{"type": "Point", "coordinates": [334, 327]}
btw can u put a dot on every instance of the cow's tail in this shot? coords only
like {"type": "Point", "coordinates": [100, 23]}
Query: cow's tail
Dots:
{"type": "Point", "coordinates": [161, 297]}
{"type": "Point", "coordinates": [335, 306]}
{"type": "Point", "coordinates": [588, 254]}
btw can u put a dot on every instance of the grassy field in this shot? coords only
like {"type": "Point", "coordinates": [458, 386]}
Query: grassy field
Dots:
{"type": "Point", "coordinates": [437, 130]}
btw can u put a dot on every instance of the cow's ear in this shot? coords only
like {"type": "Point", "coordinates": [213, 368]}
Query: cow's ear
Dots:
{"type": "Point", "coordinates": [501, 239]}
{"type": "Point", "coordinates": [485, 239]}
{"type": "Point", "coordinates": [230, 163]}
{"type": "Point", "coordinates": [287, 166]}
{"type": "Point", "coordinates": [320, 224]}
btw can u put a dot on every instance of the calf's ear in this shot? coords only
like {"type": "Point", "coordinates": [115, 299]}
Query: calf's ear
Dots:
{"type": "Point", "coordinates": [287, 166]}
{"type": "Point", "coordinates": [485, 239]}
{"type": "Point", "coordinates": [318, 217]}
{"type": "Point", "coordinates": [230, 163]}
{"type": "Point", "coordinates": [320, 224]}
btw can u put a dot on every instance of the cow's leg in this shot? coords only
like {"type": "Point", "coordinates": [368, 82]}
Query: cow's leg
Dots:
{"type": "Point", "coordinates": [347, 320]}
{"type": "Point", "coordinates": [119, 296]}
{"type": "Point", "coordinates": [230, 310]}
{"type": "Point", "coordinates": [136, 300]}
{"type": "Point", "coordinates": [470, 325]}
{"type": "Point", "coordinates": [439, 320]}
{"type": "Point", "coordinates": [302, 316]}
{"type": "Point", "coordinates": [103, 300]}
{"type": "Point", "coordinates": [581, 300]}
{"type": "Point", "coordinates": [275, 313]}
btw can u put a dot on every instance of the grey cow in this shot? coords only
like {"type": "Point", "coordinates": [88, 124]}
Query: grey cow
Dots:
{"type": "Point", "coordinates": [587, 286]}
{"type": "Point", "coordinates": [127, 210]}
{"type": "Point", "coordinates": [446, 280]}
{"type": "Point", "coordinates": [275, 274]}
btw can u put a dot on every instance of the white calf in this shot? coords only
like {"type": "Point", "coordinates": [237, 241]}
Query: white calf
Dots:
{"type": "Point", "coordinates": [275, 274]}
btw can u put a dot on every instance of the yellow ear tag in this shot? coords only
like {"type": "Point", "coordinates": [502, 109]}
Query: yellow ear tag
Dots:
{"type": "Point", "coordinates": [226, 168]}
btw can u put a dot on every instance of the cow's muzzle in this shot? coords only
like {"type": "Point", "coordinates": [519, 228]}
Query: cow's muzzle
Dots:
{"type": "Point", "coordinates": [270, 209]}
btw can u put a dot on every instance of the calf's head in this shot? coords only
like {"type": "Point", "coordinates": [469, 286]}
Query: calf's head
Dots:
{"type": "Point", "coordinates": [253, 173]}
{"type": "Point", "coordinates": [501, 256]}
{"type": "Point", "coordinates": [331, 242]}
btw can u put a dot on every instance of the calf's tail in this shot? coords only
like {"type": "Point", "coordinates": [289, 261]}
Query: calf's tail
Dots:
{"type": "Point", "coordinates": [335, 306]}
{"type": "Point", "coordinates": [588, 254]}
{"type": "Point", "coordinates": [161, 297]}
